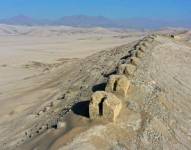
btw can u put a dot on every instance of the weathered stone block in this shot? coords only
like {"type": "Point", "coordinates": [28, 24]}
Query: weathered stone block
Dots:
{"type": "Point", "coordinates": [172, 36]}
{"type": "Point", "coordinates": [145, 44]}
{"type": "Point", "coordinates": [154, 35]}
{"type": "Point", "coordinates": [149, 39]}
{"type": "Point", "coordinates": [139, 54]}
{"type": "Point", "coordinates": [126, 69]}
{"type": "Point", "coordinates": [137, 47]}
{"type": "Point", "coordinates": [61, 124]}
{"type": "Point", "coordinates": [104, 106]}
{"type": "Point", "coordinates": [141, 47]}
{"type": "Point", "coordinates": [175, 36]}
{"type": "Point", "coordinates": [133, 52]}
{"type": "Point", "coordinates": [135, 61]}
{"type": "Point", "coordinates": [121, 68]}
{"type": "Point", "coordinates": [118, 84]}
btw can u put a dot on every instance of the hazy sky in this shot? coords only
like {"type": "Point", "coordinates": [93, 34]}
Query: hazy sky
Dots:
{"type": "Point", "coordinates": [175, 9]}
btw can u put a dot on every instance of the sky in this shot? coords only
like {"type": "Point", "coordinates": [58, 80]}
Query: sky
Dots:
{"type": "Point", "coordinates": [115, 9]}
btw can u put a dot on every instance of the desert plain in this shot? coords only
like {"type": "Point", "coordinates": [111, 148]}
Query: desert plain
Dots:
{"type": "Point", "coordinates": [48, 74]}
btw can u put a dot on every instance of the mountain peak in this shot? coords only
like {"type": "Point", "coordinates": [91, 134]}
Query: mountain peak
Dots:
{"type": "Point", "coordinates": [97, 21]}
{"type": "Point", "coordinates": [22, 18]}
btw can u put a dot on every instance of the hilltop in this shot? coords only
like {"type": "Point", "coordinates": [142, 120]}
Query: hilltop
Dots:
{"type": "Point", "coordinates": [155, 113]}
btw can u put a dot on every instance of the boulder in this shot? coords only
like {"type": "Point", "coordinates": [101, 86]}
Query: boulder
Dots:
{"type": "Point", "coordinates": [54, 103]}
{"type": "Point", "coordinates": [47, 108]}
{"type": "Point", "coordinates": [61, 124]}
{"type": "Point", "coordinates": [104, 106]}
{"type": "Point", "coordinates": [126, 69]}
{"type": "Point", "coordinates": [40, 112]}
{"type": "Point", "coordinates": [118, 84]}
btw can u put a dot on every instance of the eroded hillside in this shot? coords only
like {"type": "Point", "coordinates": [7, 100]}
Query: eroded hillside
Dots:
{"type": "Point", "coordinates": [155, 113]}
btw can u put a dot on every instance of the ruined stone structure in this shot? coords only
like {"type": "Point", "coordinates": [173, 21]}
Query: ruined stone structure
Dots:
{"type": "Point", "coordinates": [104, 106]}
{"type": "Point", "coordinates": [144, 43]}
{"type": "Point", "coordinates": [149, 39]}
{"type": "Point", "coordinates": [140, 47]}
{"type": "Point", "coordinates": [174, 36]}
{"type": "Point", "coordinates": [135, 61]}
{"type": "Point", "coordinates": [139, 54]}
{"type": "Point", "coordinates": [126, 69]}
{"type": "Point", "coordinates": [118, 84]}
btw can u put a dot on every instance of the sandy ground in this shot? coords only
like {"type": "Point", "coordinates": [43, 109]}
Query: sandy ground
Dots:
{"type": "Point", "coordinates": [157, 110]}
{"type": "Point", "coordinates": [36, 95]}
{"type": "Point", "coordinates": [30, 58]}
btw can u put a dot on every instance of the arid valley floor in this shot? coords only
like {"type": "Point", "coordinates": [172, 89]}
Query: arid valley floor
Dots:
{"type": "Point", "coordinates": [48, 74]}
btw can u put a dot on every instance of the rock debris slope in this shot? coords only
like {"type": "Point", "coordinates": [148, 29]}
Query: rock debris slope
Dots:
{"type": "Point", "coordinates": [156, 110]}
{"type": "Point", "coordinates": [149, 81]}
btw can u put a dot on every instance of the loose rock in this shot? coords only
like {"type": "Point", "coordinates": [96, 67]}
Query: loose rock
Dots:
{"type": "Point", "coordinates": [61, 125]}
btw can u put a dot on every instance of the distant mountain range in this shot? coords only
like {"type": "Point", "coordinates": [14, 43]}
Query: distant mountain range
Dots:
{"type": "Point", "coordinates": [98, 21]}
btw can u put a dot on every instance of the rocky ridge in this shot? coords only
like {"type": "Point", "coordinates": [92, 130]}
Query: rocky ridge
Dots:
{"type": "Point", "coordinates": [145, 120]}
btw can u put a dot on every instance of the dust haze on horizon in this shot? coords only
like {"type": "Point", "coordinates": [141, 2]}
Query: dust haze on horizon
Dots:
{"type": "Point", "coordinates": [95, 75]}
{"type": "Point", "coordinates": [84, 13]}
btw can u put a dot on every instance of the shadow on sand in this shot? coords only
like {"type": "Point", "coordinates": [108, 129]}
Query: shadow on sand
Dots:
{"type": "Point", "coordinates": [99, 87]}
{"type": "Point", "coordinates": [81, 108]}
